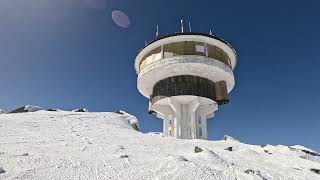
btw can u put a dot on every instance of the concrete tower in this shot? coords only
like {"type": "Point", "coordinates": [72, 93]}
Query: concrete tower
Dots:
{"type": "Point", "coordinates": [186, 76]}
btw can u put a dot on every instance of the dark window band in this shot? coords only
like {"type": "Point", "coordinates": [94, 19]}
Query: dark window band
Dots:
{"type": "Point", "coordinates": [190, 85]}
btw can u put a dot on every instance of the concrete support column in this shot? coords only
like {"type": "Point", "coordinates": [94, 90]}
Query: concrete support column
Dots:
{"type": "Point", "coordinates": [204, 126]}
{"type": "Point", "coordinates": [193, 106]}
{"type": "Point", "coordinates": [165, 124]}
{"type": "Point", "coordinates": [185, 112]}
{"type": "Point", "coordinates": [176, 108]}
{"type": "Point", "coordinates": [176, 124]}
{"type": "Point", "coordinates": [171, 125]}
{"type": "Point", "coordinates": [203, 113]}
{"type": "Point", "coordinates": [192, 125]}
{"type": "Point", "coordinates": [184, 130]}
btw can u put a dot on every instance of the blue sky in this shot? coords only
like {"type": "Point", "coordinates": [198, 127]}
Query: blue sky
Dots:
{"type": "Point", "coordinates": [69, 54]}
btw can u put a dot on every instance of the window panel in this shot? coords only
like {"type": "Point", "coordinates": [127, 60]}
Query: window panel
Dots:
{"type": "Point", "coordinates": [185, 48]}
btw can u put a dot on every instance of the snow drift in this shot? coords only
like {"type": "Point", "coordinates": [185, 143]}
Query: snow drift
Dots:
{"type": "Point", "coordinates": [70, 145]}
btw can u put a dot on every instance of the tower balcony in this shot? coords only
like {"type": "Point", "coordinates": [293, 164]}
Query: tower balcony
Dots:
{"type": "Point", "coordinates": [183, 65]}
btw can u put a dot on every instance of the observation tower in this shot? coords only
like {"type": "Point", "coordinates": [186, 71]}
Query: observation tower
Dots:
{"type": "Point", "coordinates": [186, 76]}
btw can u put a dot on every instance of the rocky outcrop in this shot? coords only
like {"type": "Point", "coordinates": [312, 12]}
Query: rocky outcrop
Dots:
{"type": "Point", "coordinates": [130, 119]}
{"type": "Point", "coordinates": [80, 110]}
{"type": "Point", "coordinates": [27, 108]}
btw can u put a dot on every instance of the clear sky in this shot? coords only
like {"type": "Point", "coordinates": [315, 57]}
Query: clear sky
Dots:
{"type": "Point", "coordinates": [70, 53]}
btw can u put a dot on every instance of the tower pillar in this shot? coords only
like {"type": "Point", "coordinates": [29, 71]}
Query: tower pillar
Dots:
{"type": "Point", "coordinates": [185, 117]}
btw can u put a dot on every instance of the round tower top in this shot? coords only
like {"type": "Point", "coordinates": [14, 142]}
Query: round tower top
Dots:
{"type": "Point", "coordinates": [187, 36]}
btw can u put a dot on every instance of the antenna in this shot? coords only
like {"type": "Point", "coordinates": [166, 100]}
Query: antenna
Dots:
{"type": "Point", "coordinates": [181, 25]}
{"type": "Point", "coordinates": [210, 32]}
{"type": "Point", "coordinates": [189, 26]}
{"type": "Point", "coordinates": [157, 33]}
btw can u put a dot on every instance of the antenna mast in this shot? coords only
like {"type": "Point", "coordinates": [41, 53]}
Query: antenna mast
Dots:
{"type": "Point", "coordinates": [157, 33]}
{"type": "Point", "coordinates": [210, 32]}
{"type": "Point", "coordinates": [189, 26]}
{"type": "Point", "coordinates": [181, 25]}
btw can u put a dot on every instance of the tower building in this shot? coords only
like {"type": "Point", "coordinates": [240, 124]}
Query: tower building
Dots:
{"type": "Point", "coordinates": [186, 76]}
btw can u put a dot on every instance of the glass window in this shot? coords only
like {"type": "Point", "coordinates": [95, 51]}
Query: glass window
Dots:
{"type": "Point", "coordinates": [218, 54]}
{"type": "Point", "coordinates": [200, 49]}
{"type": "Point", "coordinates": [151, 57]}
{"type": "Point", "coordinates": [185, 48]}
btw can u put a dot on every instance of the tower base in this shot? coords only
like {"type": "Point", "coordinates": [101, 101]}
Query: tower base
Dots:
{"type": "Point", "coordinates": [185, 116]}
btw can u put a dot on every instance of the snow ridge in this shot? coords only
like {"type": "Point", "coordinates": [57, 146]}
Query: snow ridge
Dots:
{"type": "Point", "coordinates": [72, 145]}
{"type": "Point", "coordinates": [30, 108]}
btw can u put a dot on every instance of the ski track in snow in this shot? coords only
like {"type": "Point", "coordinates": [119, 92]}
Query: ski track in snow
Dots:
{"type": "Point", "coordinates": [70, 145]}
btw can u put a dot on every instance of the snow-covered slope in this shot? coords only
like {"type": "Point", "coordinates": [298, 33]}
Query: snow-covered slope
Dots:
{"type": "Point", "coordinates": [70, 145]}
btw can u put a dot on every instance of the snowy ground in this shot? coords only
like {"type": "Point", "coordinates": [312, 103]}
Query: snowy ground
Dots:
{"type": "Point", "coordinates": [70, 145]}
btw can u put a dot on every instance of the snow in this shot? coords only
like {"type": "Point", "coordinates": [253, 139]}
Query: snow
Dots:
{"type": "Point", "coordinates": [1, 111]}
{"type": "Point", "coordinates": [132, 120]}
{"type": "Point", "coordinates": [30, 108]}
{"type": "Point", "coordinates": [71, 145]}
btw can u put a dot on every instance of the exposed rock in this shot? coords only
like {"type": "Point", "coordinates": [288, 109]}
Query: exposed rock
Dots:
{"type": "Point", "coordinates": [84, 148]}
{"type": "Point", "coordinates": [2, 170]}
{"type": "Point", "coordinates": [119, 112]}
{"type": "Point", "coordinates": [31, 108]}
{"type": "Point", "coordinates": [124, 156]}
{"type": "Point", "coordinates": [25, 154]}
{"type": "Point", "coordinates": [315, 170]}
{"type": "Point", "coordinates": [226, 137]}
{"type": "Point", "coordinates": [310, 153]}
{"type": "Point", "coordinates": [19, 110]}
{"type": "Point", "coordinates": [120, 147]}
{"type": "Point", "coordinates": [293, 149]}
{"type": "Point", "coordinates": [266, 151]}
{"type": "Point", "coordinates": [27, 108]}
{"type": "Point", "coordinates": [311, 158]}
{"type": "Point", "coordinates": [228, 149]}
{"type": "Point", "coordinates": [249, 171]}
{"type": "Point", "coordinates": [256, 172]}
{"type": "Point", "coordinates": [305, 151]}
{"type": "Point", "coordinates": [52, 109]}
{"type": "Point", "coordinates": [132, 120]}
{"type": "Point", "coordinates": [197, 149]}
{"type": "Point", "coordinates": [80, 110]}
{"type": "Point", "coordinates": [182, 158]}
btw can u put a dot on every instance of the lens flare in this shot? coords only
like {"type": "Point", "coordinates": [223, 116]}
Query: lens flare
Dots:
{"type": "Point", "coordinates": [121, 19]}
